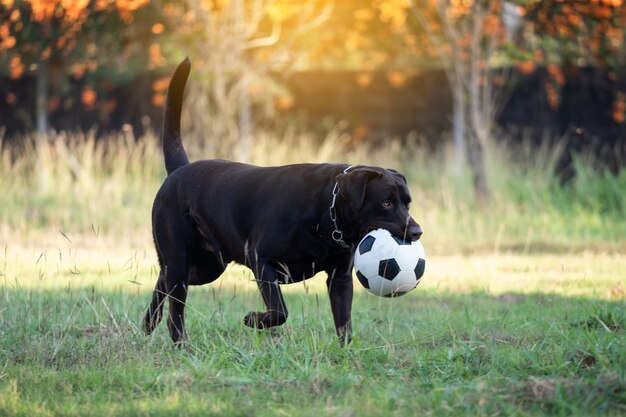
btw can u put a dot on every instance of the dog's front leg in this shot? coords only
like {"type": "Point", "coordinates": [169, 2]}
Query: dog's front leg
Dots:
{"type": "Point", "coordinates": [340, 292]}
{"type": "Point", "coordinates": [276, 314]}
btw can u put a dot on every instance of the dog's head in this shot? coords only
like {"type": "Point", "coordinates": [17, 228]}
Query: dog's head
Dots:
{"type": "Point", "coordinates": [377, 198]}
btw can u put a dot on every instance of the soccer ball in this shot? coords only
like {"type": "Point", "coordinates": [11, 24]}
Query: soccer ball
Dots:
{"type": "Point", "coordinates": [388, 266]}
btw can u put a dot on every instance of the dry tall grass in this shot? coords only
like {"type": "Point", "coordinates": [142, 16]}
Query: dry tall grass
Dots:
{"type": "Point", "coordinates": [87, 186]}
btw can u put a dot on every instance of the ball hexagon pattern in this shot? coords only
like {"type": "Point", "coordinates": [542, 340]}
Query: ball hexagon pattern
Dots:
{"type": "Point", "coordinates": [388, 266]}
{"type": "Point", "coordinates": [388, 269]}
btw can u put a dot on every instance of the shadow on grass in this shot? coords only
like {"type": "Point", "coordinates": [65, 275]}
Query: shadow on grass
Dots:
{"type": "Point", "coordinates": [450, 353]}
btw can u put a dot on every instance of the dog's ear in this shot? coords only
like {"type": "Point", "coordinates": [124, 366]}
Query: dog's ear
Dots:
{"type": "Point", "coordinates": [353, 184]}
{"type": "Point", "coordinates": [397, 176]}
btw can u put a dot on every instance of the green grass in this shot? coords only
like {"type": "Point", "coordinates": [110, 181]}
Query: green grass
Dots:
{"type": "Point", "coordinates": [495, 335]}
{"type": "Point", "coordinates": [522, 310]}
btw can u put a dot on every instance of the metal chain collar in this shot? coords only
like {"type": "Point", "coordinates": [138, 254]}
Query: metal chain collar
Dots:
{"type": "Point", "coordinates": [337, 234]}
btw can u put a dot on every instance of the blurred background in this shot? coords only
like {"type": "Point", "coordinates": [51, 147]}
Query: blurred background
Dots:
{"type": "Point", "coordinates": [507, 117]}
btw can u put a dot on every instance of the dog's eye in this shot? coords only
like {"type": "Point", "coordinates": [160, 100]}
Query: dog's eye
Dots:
{"type": "Point", "coordinates": [387, 204]}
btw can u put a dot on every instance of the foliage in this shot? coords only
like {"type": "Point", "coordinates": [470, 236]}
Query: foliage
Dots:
{"type": "Point", "coordinates": [61, 41]}
{"type": "Point", "coordinates": [246, 40]}
{"type": "Point", "coordinates": [563, 34]}
{"type": "Point", "coordinates": [76, 36]}
{"type": "Point", "coordinates": [236, 44]}
{"type": "Point", "coordinates": [575, 33]}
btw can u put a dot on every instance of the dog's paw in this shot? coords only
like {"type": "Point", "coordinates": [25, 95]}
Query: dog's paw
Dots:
{"type": "Point", "coordinates": [255, 320]}
{"type": "Point", "coordinates": [264, 320]}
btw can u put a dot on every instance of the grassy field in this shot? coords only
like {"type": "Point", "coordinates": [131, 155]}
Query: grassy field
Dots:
{"type": "Point", "coordinates": [489, 335]}
{"type": "Point", "coordinates": [522, 310]}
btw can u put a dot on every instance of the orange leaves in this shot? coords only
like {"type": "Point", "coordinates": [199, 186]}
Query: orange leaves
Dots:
{"type": "Point", "coordinates": [458, 8]}
{"type": "Point", "coordinates": [615, 37]}
{"type": "Point", "coordinates": [6, 40]}
{"type": "Point", "coordinates": [74, 9]}
{"type": "Point", "coordinates": [160, 84]}
{"type": "Point", "coordinates": [77, 10]}
{"type": "Point", "coordinates": [586, 32]}
{"type": "Point", "coordinates": [363, 15]}
{"type": "Point", "coordinates": [158, 99]}
{"type": "Point", "coordinates": [158, 87]}
{"type": "Point", "coordinates": [125, 8]}
{"type": "Point", "coordinates": [493, 26]}
{"type": "Point", "coordinates": [556, 73]}
{"type": "Point", "coordinates": [130, 5]}
{"type": "Point", "coordinates": [279, 11]}
{"type": "Point", "coordinates": [526, 67]}
{"type": "Point", "coordinates": [156, 58]}
{"type": "Point", "coordinates": [78, 70]}
{"type": "Point", "coordinates": [604, 9]}
{"type": "Point", "coordinates": [16, 67]}
{"type": "Point", "coordinates": [54, 26]}
{"type": "Point", "coordinates": [396, 78]}
{"type": "Point", "coordinates": [15, 15]}
{"type": "Point", "coordinates": [394, 12]}
{"type": "Point", "coordinates": [88, 97]}
{"type": "Point", "coordinates": [553, 96]}
{"type": "Point", "coordinates": [42, 9]}
{"type": "Point", "coordinates": [170, 10]}
{"type": "Point", "coordinates": [364, 79]}
{"type": "Point", "coordinates": [553, 85]}
{"type": "Point", "coordinates": [157, 28]}
{"type": "Point", "coordinates": [284, 103]}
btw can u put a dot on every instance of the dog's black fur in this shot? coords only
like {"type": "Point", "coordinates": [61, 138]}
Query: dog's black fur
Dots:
{"type": "Point", "coordinates": [275, 220]}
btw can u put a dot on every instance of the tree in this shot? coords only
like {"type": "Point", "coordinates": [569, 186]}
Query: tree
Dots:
{"type": "Point", "coordinates": [469, 37]}
{"type": "Point", "coordinates": [560, 35]}
{"type": "Point", "coordinates": [234, 45]}
{"type": "Point", "coordinates": [575, 33]}
{"type": "Point", "coordinates": [57, 39]}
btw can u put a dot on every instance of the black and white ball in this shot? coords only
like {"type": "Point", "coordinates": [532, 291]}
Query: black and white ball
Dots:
{"type": "Point", "coordinates": [388, 266]}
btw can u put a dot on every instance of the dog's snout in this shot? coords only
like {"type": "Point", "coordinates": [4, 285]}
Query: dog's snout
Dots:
{"type": "Point", "coordinates": [414, 232]}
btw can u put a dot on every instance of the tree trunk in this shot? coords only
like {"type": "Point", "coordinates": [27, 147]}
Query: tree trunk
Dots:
{"type": "Point", "coordinates": [41, 110]}
{"type": "Point", "coordinates": [41, 116]}
{"type": "Point", "coordinates": [458, 124]}
{"type": "Point", "coordinates": [478, 166]}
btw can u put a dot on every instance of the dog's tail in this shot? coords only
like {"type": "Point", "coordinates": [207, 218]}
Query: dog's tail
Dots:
{"type": "Point", "coordinates": [173, 150]}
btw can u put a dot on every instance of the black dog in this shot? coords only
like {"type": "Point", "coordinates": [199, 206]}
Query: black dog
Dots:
{"type": "Point", "coordinates": [285, 223]}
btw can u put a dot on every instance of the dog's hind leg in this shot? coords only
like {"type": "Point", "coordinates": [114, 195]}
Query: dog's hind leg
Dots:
{"type": "Point", "coordinates": [172, 238]}
{"type": "Point", "coordinates": [176, 285]}
{"type": "Point", "coordinates": [276, 314]}
{"type": "Point", "coordinates": [155, 309]}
